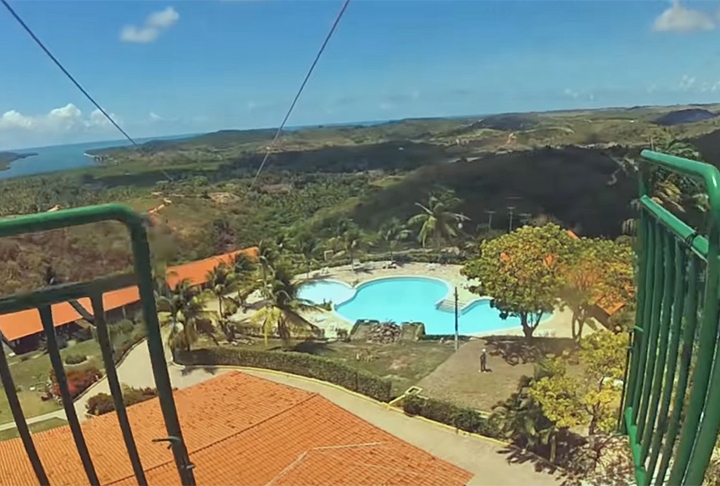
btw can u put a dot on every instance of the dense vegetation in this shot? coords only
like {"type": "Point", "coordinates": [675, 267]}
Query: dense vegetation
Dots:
{"type": "Point", "coordinates": [573, 168]}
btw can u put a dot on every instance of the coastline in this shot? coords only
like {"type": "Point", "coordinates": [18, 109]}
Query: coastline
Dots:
{"type": "Point", "coordinates": [7, 158]}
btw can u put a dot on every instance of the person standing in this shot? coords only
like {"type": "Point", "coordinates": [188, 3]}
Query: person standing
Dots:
{"type": "Point", "coordinates": [483, 361]}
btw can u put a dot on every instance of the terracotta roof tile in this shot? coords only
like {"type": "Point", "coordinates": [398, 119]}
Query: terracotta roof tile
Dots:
{"type": "Point", "coordinates": [198, 270]}
{"type": "Point", "coordinates": [239, 429]}
{"type": "Point", "coordinates": [26, 323]}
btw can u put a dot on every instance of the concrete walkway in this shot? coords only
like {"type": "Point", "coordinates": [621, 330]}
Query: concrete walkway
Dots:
{"type": "Point", "coordinates": [479, 456]}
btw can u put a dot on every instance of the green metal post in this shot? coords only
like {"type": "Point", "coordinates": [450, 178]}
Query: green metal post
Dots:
{"type": "Point", "coordinates": [43, 299]}
{"type": "Point", "coordinates": [667, 305]}
{"type": "Point", "coordinates": [678, 309]}
{"type": "Point", "coordinates": [115, 389]}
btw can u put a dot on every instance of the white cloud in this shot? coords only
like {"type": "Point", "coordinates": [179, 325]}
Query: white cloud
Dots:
{"type": "Point", "coordinates": [680, 19]}
{"type": "Point", "coordinates": [686, 82]}
{"type": "Point", "coordinates": [154, 25]}
{"type": "Point", "coordinates": [154, 116]}
{"type": "Point", "coordinates": [68, 118]}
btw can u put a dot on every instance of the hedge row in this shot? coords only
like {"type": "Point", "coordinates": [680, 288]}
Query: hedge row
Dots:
{"type": "Point", "coordinates": [103, 403]}
{"type": "Point", "coordinates": [467, 419]}
{"type": "Point", "coordinates": [296, 363]}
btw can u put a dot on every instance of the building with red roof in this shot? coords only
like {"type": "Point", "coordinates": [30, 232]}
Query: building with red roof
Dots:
{"type": "Point", "coordinates": [239, 430]}
{"type": "Point", "coordinates": [26, 325]}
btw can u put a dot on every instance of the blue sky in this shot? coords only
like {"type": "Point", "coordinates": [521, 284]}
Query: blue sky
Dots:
{"type": "Point", "coordinates": [186, 67]}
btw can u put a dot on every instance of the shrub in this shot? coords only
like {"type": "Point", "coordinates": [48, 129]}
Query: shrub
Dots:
{"type": "Point", "coordinates": [124, 326]}
{"type": "Point", "coordinates": [78, 380]}
{"type": "Point", "coordinates": [74, 359]}
{"type": "Point", "coordinates": [462, 418]}
{"type": "Point", "coordinates": [103, 403]}
{"type": "Point", "coordinates": [308, 365]}
{"type": "Point", "coordinates": [100, 404]}
{"type": "Point", "coordinates": [343, 335]}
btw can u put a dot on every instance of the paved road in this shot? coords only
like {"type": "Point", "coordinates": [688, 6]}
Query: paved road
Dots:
{"type": "Point", "coordinates": [481, 457]}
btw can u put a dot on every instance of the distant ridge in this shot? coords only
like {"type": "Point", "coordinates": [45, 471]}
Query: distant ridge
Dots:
{"type": "Point", "coordinates": [689, 115]}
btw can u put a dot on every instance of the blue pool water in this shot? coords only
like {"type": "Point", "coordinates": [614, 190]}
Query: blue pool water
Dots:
{"type": "Point", "coordinates": [406, 299]}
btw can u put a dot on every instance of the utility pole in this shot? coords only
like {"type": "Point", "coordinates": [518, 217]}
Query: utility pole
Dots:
{"type": "Point", "coordinates": [490, 215]}
{"type": "Point", "coordinates": [456, 319]}
{"type": "Point", "coordinates": [510, 210]}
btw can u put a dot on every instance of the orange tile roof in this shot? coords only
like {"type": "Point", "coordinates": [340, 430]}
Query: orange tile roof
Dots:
{"type": "Point", "coordinates": [239, 429]}
{"type": "Point", "coordinates": [197, 271]}
{"type": "Point", "coordinates": [26, 323]}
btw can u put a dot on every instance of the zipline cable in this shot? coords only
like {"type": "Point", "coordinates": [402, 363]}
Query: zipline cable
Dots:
{"type": "Point", "coordinates": [302, 87]}
{"type": "Point", "coordinates": [65, 71]}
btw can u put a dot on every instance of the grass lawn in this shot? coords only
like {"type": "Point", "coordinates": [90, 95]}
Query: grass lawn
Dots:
{"type": "Point", "coordinates": [405, 363]}
{"type": "Point", "coordinates": [458, 379]}
{"type": "Point", "coordinates": [36, 427]}
{"type": "Point", "coordinates": [34, 372]}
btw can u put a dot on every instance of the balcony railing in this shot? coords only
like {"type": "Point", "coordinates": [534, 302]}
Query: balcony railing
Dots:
{"type": "Point", "coordinates": [42, 301]}
{"type": "Point", "coordinates": [671, 404]}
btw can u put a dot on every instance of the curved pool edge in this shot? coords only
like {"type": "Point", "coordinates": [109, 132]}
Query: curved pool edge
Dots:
{"type": "Point", "coordinates": [450, 290]}
{"type": "Point", "coordinates": [334, 280]}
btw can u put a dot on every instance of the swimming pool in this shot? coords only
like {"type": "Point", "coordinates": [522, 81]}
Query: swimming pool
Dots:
{"type": "Point", "coordinates": [407, 299]}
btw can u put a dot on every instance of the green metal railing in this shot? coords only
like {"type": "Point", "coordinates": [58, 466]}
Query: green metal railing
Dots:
{"type": "Point", "coordinates": [671, 403]}
{"type": "Point", "coordinates": [42, 301]}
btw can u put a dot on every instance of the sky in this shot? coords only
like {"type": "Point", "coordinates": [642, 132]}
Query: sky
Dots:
{"type": "Point", "coordinates": [176, 66]}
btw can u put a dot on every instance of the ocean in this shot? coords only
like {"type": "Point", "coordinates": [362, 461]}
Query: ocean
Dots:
{"type": "Point", "coordinates": [57, 158]}
{"type": "Point", "coordinates": [65, 157]}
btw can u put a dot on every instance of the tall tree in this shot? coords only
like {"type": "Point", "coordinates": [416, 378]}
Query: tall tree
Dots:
{"type": "Point", "coordinates": [600, 273]}
{"type": "Point", "coordinates": [523, 272]}
{"type": "Point", "coordinates": [353, 241]}
{"type": "Point", "coordinates": [393, 232]}
{"type": "Point", "coordinates": [281, 305]}
{"type": "Point", "coordinates": [268, 254]}
{"type": "Point", "coordinates": [244, 268]}
{"type": "Point", "coordinates": [437, 220]}
{"type": "Point", "coordinates": [221, 280]}
{"type": "Point", "coordinates": [308, 248]}
{"type": "Point", "coordinates": [185, 310]}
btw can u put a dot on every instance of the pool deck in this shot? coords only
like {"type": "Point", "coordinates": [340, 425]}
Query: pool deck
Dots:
{"type": "Point", "coordinates": [559, 325]}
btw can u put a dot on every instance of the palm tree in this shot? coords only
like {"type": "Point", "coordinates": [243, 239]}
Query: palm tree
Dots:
{"type": "Point", "coordinates": [268, 254]}
{"type": "Point", "coordinates": [281, 305]}
{"type": "Point", "coordinates": [221, 280]}
{"type": "Point", "coordinates": [185, 310]}
{"type": "Point", "coordinates": [437, 220]}
{"type": "Point", "coordinates": [392, 232]}
{"type": "Point", "coordinates": [350, 243]}
{"type": "Point", "coordinates": [244, 268]}
{"type": "Point", "coordinates": [307, 246]}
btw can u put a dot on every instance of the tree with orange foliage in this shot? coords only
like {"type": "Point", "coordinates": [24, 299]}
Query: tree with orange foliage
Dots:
{"type": "Point", "coordinates": [523, 272]}
{"type": "Point", "coordinates": [599, 272]}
